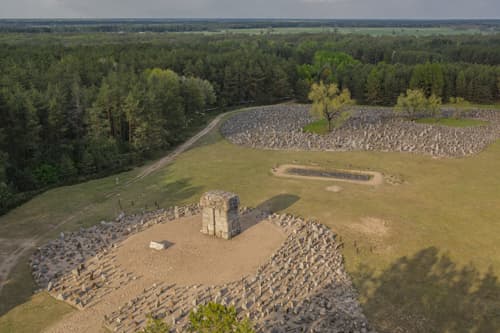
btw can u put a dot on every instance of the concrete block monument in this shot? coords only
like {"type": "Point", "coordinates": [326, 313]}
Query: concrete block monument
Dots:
{"type": "Point", "coordinates": [220, 216]}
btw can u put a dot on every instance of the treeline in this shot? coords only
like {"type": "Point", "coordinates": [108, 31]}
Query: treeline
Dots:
{"type": "Point", "coordinates": [193, 25]}
{"type": "Point", "coordinates": [72, 113]}
{"type": "Point", "coordinates": [381, 84]}
{"type": "Point", "coordinates": [70, 132]}
{"type": "Point", "coordinates": [79, 106]}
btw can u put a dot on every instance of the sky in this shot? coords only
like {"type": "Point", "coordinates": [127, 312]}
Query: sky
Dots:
{"type": "Point", "coordinates": [436, 9]}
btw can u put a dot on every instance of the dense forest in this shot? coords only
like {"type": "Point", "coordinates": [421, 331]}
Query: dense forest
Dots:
{"type": "Point", "coordinates": [72, 108]}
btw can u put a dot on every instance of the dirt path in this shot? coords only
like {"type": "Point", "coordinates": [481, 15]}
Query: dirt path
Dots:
{"type": "Point", "coordinates": [9, 259]}
{"type": "Point", "coordinates": [179, 150]}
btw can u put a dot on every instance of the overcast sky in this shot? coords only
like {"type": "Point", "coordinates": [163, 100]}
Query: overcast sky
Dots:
{"type": "Point", "coordinates": [250, 9]}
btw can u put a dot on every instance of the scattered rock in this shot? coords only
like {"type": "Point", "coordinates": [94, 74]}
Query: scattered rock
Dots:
{"type": "Point", "coordinates": [371, 129]}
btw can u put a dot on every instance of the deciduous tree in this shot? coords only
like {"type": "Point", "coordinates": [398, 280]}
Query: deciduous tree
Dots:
{"type": "Point", "coordinates": [413, 104]}
{"type": "Point", "coordinates": [330, 103]}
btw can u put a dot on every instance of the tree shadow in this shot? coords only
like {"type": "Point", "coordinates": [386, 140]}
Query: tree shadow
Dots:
{"type": "Point", "coordinates": [428, 292]}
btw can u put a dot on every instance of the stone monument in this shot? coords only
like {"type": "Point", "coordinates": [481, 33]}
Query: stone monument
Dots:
{"type": "Point", "coordinates": [158, 246]}
{"type": "Point", "coordinates": [220, 216]}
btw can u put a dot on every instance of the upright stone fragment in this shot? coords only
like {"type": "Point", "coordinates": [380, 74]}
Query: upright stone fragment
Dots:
{"type": "Point", "coordinates": [220, 216]}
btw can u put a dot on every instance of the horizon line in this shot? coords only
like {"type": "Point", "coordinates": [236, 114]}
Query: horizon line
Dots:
{"type": "Point", "coordinates": [263, 18]}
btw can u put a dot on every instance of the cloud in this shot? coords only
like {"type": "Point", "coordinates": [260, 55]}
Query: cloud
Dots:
{"type": "Point", "coordinates": [249, 9]}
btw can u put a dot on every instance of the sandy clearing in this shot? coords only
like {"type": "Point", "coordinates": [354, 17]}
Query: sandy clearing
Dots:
{"type": "Point", "coordinates": [195, 258]}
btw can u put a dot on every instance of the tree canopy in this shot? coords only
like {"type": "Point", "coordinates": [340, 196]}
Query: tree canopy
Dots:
{"type": "Point", "coordinates": [415, 104]}
{"type": "Point", "coordinates": [330, 103]}
{"type": "Point", "coordinates": [82, 106]}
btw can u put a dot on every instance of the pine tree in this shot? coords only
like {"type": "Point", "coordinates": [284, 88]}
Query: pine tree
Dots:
{"type": "Point", "coordinates": [461, 85]}
{"type": "Point", "coordinates": [67, 169]}
{"type": "Point", "coordinates": [373, 88]}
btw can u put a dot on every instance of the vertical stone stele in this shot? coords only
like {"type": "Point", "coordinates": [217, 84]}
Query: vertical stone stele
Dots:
{"type": "Point", "coordinates": [220, 216]}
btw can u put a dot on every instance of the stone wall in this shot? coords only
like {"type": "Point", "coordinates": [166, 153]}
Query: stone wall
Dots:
{"type": "Point", "coordinates": [369, 129]}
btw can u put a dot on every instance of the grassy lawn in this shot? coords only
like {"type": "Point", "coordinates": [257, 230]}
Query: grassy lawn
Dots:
{"type": "Point", "coordinates": [452, 122]}
{"type": "Point", "coordinates": [318, 127]}
{"type": "Point", "coordinates": [424, 255]}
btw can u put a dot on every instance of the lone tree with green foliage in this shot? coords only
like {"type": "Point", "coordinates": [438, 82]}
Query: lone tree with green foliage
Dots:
{"type": "Point", "coordinates": [331, 104]}
{"type": "Point", "coordinates": [434, 104]}
{"type": "Point", "coordinates": [414, 104]}
{"type": "Point", "coordinates": [217, 318]}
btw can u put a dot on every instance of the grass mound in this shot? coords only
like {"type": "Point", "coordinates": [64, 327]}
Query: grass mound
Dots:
{"type": "Point", "coordinates": [452, 122]}
{"type": "Point", "coordinates": [317, 127]}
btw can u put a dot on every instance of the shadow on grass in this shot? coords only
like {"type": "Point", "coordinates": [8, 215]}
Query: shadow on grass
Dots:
{"type": "Point", "coordinates": [19, 287]}
{"type": "Point", "coordinates": [275, 204]}
{"type": "Point", "coordinates": [278, 203]}
{"type": "Point", "coordinates": [180, 190]}
{"type": "Point", "coordinates": [429, 293]}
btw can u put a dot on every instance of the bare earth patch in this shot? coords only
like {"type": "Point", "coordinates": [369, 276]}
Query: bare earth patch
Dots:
{"type": "Point", "coordinates": [334, 189]}
{"type": "Point", "coordinates": [371, 226]}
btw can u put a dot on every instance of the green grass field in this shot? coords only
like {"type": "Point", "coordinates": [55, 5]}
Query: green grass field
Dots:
{"type": "Point", "coordinates": [321, 126]}
{"type": "Point", "coordinates": [424, 255]}
{"type": "Point", "coordinates": [452, 122]}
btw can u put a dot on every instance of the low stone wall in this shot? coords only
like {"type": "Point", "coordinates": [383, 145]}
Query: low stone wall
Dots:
{"type": "Point", "coordinates": [370, 129]}
{"type": "Point", "coordinates": [303, 287]}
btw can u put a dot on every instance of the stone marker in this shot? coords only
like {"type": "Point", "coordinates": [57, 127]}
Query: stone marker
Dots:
{"type": "Point", "coordinates": [157, 245]}
{"type": "Point", "coordinates": [220, 217]}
